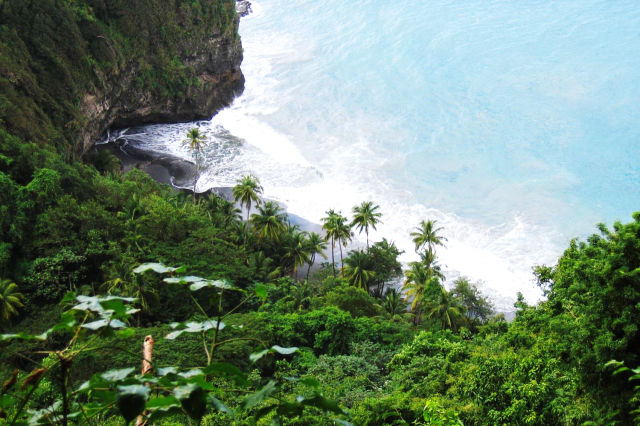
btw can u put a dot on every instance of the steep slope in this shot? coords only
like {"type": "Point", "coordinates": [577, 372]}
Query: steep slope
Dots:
{"type": "Point", "coordinates": [71, 68]}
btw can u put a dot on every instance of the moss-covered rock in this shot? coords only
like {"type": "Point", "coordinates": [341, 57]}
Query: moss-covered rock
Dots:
{"type": "Point", "coordinates": [71, 68]}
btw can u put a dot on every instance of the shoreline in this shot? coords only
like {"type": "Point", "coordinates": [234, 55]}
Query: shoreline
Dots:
{"type": "Point", "coordinates": [178, 173]}
{"type": "Point", "coordinates": [168, 169]}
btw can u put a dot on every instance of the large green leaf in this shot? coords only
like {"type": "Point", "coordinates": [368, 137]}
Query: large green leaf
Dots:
{"type": "Point", "coordinates": [96, 325]}
{"type": "Point", "coordinates": [193, 399]}
{"type": "Point", "coordinates": [132, 400]}
{"type": "Point", "coordinates": [227, 371]}
{"type": "Point", "coordinates": [163, 401]}
{"type": "Point", "coordinates": [261, 395]}
{"type": "Point", "coordinates": [163, 412]}
{"type": "Point", "coordinates": [117, 375]}
{"type": "Point", "coordinates": [284, 351]}
{"type": "Point", "coordinates": [221, 407]}
{"type": "Point", "coordinates": [261, 291]}
{"type": "Point", "coordinates": [323, 403]}
{"type": "Point", "coordinates": [155, 267]}
{"type": "Point", "coordinates": [24, 336]}
{"type": "Point", "coordinates": [209, 283]}
{"type": "Point", "coordinates": [193, 327]}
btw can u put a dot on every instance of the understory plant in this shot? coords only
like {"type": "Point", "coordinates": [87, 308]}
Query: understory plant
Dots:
{"type": "Point", "coordinates": [93, 324]}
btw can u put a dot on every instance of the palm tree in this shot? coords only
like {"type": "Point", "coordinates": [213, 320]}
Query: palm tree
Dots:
{"type": "Point", "coordinates": [195, 143]}
{"type": "Point", "coordinates": [133, 208]}
{"type": "Point", "coordinates": [343, 235]}
{"type": "Point", "coordinates": [240, 234]}
{"type": "Point", "coordinates": [10, 299]}
{"type": "Point", "coordinates": [330, 228]}
{"type": "Point", "coordinates": [315, 245]}
{"type": "Point", "coordinates": [301, 295]}
{"type": "Point", "coordinates": [105, 162]}
{"type": "Point", "coordinates": [365, 216]}
{"type": "Point", "coordinates": [446, 310]}
{"type": "Point", "coordinates": [262, 266]}
{"type": "Point", "coordinates": [429, 261]}
{"type": "Point", "coordinates": [247, 191]}
{"type": "Point", "coordinates": [221, 212]}
{"type": "Point", "coordinates": [297, 251]}
{"type": "Point", "coordinates": [359, 271]}
{"type": "Point", "coordinates": [143, 291]}
{"type": "Point", "coordinates": [122, 281]}
{"type": "Point", "coordinates": [393, 304]}
{"type": "Point", "coordinates": [427, 234]}
{"type": "Point", "coordinates": [119, 275]}
{"type": "Point", "coordinates": [178, 199]}
{"type": "Point", "coordinates": [269, 223]}
{"type": "Point", "coordinates": [418, 284]}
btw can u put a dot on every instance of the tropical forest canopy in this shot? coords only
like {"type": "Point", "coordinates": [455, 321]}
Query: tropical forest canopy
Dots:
{"type": "Point", "coordinates": [253, 320]}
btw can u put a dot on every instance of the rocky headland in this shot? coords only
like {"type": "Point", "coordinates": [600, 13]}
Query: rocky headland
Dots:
{"type": "Point", "coordinates": [71, 72]}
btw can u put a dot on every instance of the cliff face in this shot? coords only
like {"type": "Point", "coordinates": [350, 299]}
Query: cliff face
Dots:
{"type": "Point", "coordinates": [71, 69]}
{"type": "Point", "coordinates": [216, 66]}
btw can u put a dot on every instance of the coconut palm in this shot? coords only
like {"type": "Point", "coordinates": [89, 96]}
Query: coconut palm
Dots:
{"type": "Point", "coordinates": [263, 267]}
{"type": "Point", "coordinates": [429, 261]}
{"type": "Point", "coordinates": [330, 228]}
{"type": "Point", "coordinates": [427, 235]}
{"type": "Point", "coordinates": [221, 212]}
{"type": "Point", "coordinates": [419, 283]}
{"type": "Point", "coordinates": [301, 295]}
{"type": "Point", "coordinates": [315, 245]}
{"type": "Point", "coordinates": [364, 216]}
{"type": "Point", "coordinates": [122, 281]}
{"type": "Point", "coordinates": [343, 235]}
{"type": "Point", "coordinates": [195, 143]}
{"type": "Point", "coordinates": [297, 251]}
{"type": "Point", "coordinates": [240, 234]}
{"type": "Point", "coordinates": [133, 208]}
{"type": "Point", "coordinates": [146, 295]}
{"type": "Point", "coordinates": [446, 310]}
{"type": "Point", "coordinates": [247, 191]}
{"type": "Point", "coordinates": [269, 223]}
{"type": "Point", "coordinates": [178, 199]}
{"type": "Point", "coordinates": [119, 275]}
{"type": "Point", "coordinates": [105, 162]}
{"type": "Point", "coordinates": [10, 299]}
{"type": "Point", "coordinates": [359, 271]}
{"type": "Point", "coordinates": [393, 304]}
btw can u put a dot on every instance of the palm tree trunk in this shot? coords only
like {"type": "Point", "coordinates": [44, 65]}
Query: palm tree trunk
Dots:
{"type": "Point", "coordinates": [367, 232]}
{"type": "Point", "coordinates": [333, 259]}
{"type": "Point", "coordinates": [341, 261]}
{"type": "Point", "coordinates": [313, 259]}
{"type": "Point", "coordinates": [246, 228]}
{"type": "Point", "coordinates": [195, 179]}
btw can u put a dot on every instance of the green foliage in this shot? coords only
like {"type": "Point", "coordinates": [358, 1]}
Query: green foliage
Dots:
{"type": "Point", "coordinates": [10, 299]}
{"type": "Point", "coordinates": [193, 391]}
{"type": "Point", "coordinates": [354, 300]}
{"type": "Point", "coordinates": [54, 52]}
{"type": "Point", "coordinates": [477, 308]}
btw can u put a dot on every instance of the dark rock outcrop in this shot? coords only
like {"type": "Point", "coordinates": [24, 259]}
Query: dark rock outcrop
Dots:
{"type": "Point", "coordinates": [217, 67]}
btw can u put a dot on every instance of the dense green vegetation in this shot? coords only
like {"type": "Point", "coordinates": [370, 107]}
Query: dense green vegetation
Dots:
{"type": "Point", "coordinates": [73, 235]}
{"type": "Point", "coordinates": [67, 227]}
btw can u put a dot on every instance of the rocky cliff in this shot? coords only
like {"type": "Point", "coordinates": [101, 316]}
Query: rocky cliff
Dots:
{"type": "Point", "coordinates": [71, 69]}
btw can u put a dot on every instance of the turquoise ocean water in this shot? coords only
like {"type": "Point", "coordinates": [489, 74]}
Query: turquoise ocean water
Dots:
{"type": "Point", "coordinates": [515, 124]}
